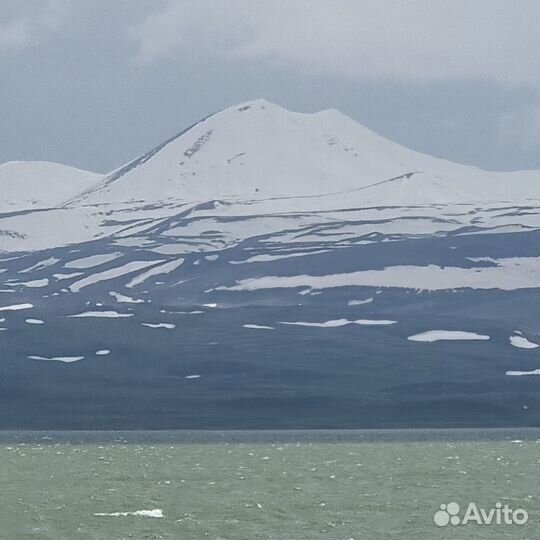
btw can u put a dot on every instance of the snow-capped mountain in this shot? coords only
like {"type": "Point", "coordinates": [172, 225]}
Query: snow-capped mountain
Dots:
{"type": "Point", "coordinates": [265, 268]}
{"type": "Point", "coordinates": [38, 184]}
{"type": "Point", "coordinates": [258, 150]}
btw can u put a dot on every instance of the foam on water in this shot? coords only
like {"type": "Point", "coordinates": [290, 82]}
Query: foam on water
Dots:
{"type": "Point", "coordinates": [156, 513]}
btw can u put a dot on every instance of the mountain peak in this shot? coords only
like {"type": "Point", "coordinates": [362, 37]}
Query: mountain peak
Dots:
{"type": "Point", "coordinates": [260, 103]}
{"type": "Point", "coordinates": [259, 150]}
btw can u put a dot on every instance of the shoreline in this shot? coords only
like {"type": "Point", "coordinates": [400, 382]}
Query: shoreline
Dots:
{"type": "Point", "coordinates": [269, 436]}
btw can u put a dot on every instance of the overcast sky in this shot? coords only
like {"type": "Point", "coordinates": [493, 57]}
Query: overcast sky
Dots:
{"type": "Point", "coordinates": [95, 83]}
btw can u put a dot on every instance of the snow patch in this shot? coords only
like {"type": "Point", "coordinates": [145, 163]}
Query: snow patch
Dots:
{"type": "Point", "coordinates": [522, 343]}
{"type": "Point", "coordinates": [16, 307]}
{"type": "Point", "coordinates": [169, 326]}
{"type": "Point", "coordinates": [92, 261]}
{"type": "Point", "coordinates": [510, 274]}
{"type": "Point", "coordinates": [342, 322]}
{"type": "Point", "coordinates": [64, 359]}
{"type": "Point", "coordinates": [101, 314]}
{"type": "Point", "coordinates": [374, 322]}
{"type": "Point", "coordinates": [523, 373]}
{"type": "Point", "coordinates": [60, 277]}
{"type": "Point", "coordinates": [36, 283]}
{"type": "Point", "coordinates": [258, 327]}
{"type": "Point", "coordinates": [447, 335]}
{"type": "Point", "coordinates": [128, 268]}
{"type": "Point", "coordinates": [123, 299]}
{"type": "Point", "coordinates": [41, 265]}
{"type": "Point", "coordinates": [156, 271]}
{"type": "Point", "coordinates": [359, 302]}
{"type": "Point", "coordinates": [268, 258]}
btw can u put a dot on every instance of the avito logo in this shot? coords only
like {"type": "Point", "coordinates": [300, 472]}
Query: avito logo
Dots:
{"type": "Point", "coordinates": [449, 514]}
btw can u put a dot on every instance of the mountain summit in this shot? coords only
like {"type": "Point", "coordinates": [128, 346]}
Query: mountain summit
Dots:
{"type": "Point", "coordinates": [258, 150]}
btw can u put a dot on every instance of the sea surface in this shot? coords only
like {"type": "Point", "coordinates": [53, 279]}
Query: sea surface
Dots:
{"type": "Point", "coordinates": [288, 485]}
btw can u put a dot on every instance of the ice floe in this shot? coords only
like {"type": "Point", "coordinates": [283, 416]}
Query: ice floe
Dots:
{"type": "Point", "coordinates": [103, 352]}
{"type": "Point", "coordinates": [34, 321]}
{"type": "Point", "coordinates": [522, 343]}
{"type": "Point", "coordinates": [192, 377]}
{"type": "Point", "coordinates": [446, 335]}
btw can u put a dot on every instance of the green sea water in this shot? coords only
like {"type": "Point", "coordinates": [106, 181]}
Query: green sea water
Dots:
{"type": "Point", "coordinates": [57, 489]}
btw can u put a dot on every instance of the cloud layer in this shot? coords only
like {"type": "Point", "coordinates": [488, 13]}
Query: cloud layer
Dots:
{"type": "Point", "coordinates": [357, 39]}
{"type": "Point", "coordinates": [26, 24]}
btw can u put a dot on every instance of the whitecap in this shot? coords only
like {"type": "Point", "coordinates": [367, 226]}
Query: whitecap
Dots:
{"type": "Point", "coordinates": [155, 513]}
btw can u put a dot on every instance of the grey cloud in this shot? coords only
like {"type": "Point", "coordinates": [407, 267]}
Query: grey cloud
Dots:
{"type": "Point", "coordinates": [27, 24]}
{"type": "Point", "coordinates": [355, 39]}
